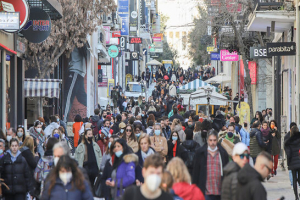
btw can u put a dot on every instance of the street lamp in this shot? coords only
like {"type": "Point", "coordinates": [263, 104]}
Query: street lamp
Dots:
{"type": "Point", "coordinates": [208, 91]}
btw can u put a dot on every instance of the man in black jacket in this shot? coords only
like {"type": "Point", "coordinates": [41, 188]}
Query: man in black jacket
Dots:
{"type": "Point", "coordinates": [175, 115]}
{"type": "Point", "coordinates": [209, 162]}
{"type": "Point", "coordinates": [249, 178]}
{"type": "Point", "coordinates": [155, 93]}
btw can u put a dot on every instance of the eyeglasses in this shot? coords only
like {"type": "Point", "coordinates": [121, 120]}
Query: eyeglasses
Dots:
{"type": "Point", "coordinates": [268, 169]}
{"type": "Point", "coordinates": [128, 130]}
{"type": "Point", "coordinates": [242, 156]}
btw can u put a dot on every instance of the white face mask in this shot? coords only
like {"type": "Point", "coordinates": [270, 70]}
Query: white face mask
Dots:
{"type": "Point", "coordinates": [8, 138]}
{"type": "Point", "coordinates": [65, 177]}
{"type": "Point", "coordinates": [55, 160]}
{"type": "Point", "coordinates": [153, 182]}
{"type": "Point", "coordinates": [38, 130]}
{"type": "Point", "coordinates": [20, 134]}
{"type": "Point", "coordinates": [212, 150]}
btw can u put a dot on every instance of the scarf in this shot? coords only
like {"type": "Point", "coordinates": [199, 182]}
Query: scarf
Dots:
{"type": "Point", "coordinates": [91, 157]}
{"type": "Point", "coordinates": [230, 139]}
{"type": "Point", "coordinates": [145, 155]}
{"type": "Point", "coordinates": [265, 132]}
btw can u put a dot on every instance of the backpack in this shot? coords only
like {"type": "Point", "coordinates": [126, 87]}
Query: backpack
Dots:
{"type": "Point", "coordinates": [45, 168]}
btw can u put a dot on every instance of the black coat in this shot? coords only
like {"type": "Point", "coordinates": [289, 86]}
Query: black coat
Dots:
{"type": "Point", "coordinates": [155, 94]}
{"type": "Point", "coordinates": [249, 185]}
{"type": "Point", "coordinates": [200, 166]}
{"type": "Point", "coordinates": [191, 146]}
{"type": "Point", "coordinates": [230, 181]}
{"type": "Point", "coordinates": [30, 159]}
{"type": "Point", "coordinates": [139, 166]}
{"type": "Point", "coordinates": [180, 151]}
{"type": "Point", "coordinates": [169, 106]}
{"type": "Point", "coordinates": [292, 147]}
{"type": "Point", "coordinates": [16, 175]}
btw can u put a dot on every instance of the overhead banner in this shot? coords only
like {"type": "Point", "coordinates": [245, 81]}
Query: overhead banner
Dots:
{"type": "Point", "coordinates": [133, 18]}
{"type": "Point", "coordinates": [135, 40]}
{"type": "Point", "coordinates": [227, 56]}
{"type": "Point", "coordinates": [259, 52]}
{"type": "Point", "coordinates": [123, 10]}
{"type": "Point", "coordinates": [242, 78]}
{"type": "Point", "coordinates": [107, 34]}
{"type": "Point", "coordinates": [253, 72]}
{"type": "Point", "coordinates": [214, 56]}
{"type": "Point", "coordinates": [281, 49]}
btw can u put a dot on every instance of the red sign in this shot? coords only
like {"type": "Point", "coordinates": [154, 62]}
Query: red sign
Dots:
{"type": "Point", "coordinates": [241, 74]}
{"type": "Point", "coordinates": [18, 6]}
{"type": "Point", "coordinates": [116, 34]}
{"type": "Point", "coordinates": [253, 72]}
{"type": "Point", "coordinates": [135, 40]}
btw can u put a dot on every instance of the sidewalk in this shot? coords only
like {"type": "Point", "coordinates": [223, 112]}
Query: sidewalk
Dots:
{"type": "Point", "coordinates": [279, 186]}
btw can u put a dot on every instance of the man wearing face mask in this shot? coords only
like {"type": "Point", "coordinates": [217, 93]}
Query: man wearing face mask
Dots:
{"type": "Point", "coordinates": [152, 173]}
{"type": "Point", "coordinates": [11, 133]}
{"type": "Point", "coordinates": [104, 133]}
{"type": "Point", "coordinates": [53, 125]}
{"type": "Point", "coordinates": [209, 162]}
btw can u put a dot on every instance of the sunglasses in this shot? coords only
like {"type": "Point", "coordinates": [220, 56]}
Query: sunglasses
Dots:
{"type": "Point", "coordinates": [128, 130]}
{"type": "Point", "coordinates": [242, 156]}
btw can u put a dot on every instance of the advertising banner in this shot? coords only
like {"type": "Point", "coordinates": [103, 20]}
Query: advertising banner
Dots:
{"type": "Point", "coordinates": [253, 72]}
{"type": "Point", "coordinates": [116, 34]}
{"type": "Point", "coordinates": [110, 87]}
{"type": "Point", "coordinates": [242, 77]}
{"type": "Point", "coordinates": [123, 10]}
{"type": "Point", "coordinates": [259, 52]}
{"type": "Point", "coordinates": [107, 34]}
{"type": "Point", "coordinates": [133, 18]}
{"type": "Point", "coordinates": [214, 56]}
{"type": "Point", "coordinates": [10, 20]}
{"type": "Point", "coordinates": [227, 56]}
{"type": "Point", "coordinates": [281, 49]}
{"type": "Point", "coordinates": [161, 35]}
{"type": "Point", "coordinates": [156, 39]}
{"type": "Point", "coordinates": [103, 83]}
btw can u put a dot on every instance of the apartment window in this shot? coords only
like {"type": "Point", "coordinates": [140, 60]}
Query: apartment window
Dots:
{"type": "Point", "coordinates": [177, 34]}
{"type": "Point", "coordinates": [170, 34]}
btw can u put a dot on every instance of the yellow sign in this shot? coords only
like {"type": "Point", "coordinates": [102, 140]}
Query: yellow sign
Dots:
{"type": "Point", "coordinates": [161, 35]}
{"type": "Point", "coordinates": [110, 86]}
{"type": "Point", "coordinates": [243, 112]}
{"type": "Point", "coordinates": [210, 49]}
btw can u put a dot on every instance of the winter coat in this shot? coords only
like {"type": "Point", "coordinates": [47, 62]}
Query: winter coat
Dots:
{"type": "Point", "coordinates": [30, 159]}
{"type": "Point", "coordinates": [176, 116]}
{"type": "Point", "coordinates": [276, 140]}
{"type": "Point", "coordinates": [159, 142]}
{"type": "Point", "coordinates": [33, 133]}
{"type": "Point", "coordinates": [106, 156]}
{"type": "Point", "coordinates": [245, 136]}
{"type": "Point", "coordinates": [173, 78]}
{"type": "Point", "coordinates": [133, 145]}
{"type": "Point", "coordinates": [169, 105]}
{"type": "Point", "coordinates": [155, 94]}
{"type": "Point", "coordinates": [139, 166]}
{"type": "Point", "coordinates": [230, 181]}
{"type": "Point", "coordinates": [190, 146]}
{"type": "Point", "coordinates": [149, 131]}
{"type": "Point", "coordinates": [126, 172]}
{"type": "Point", "coordinates": [200, 165]}
{"type": "Point", "coordinates": [249, 185]}
{"type": "Point", "coordinates": [49, 129]}
{"type": "Point", "coordinates": [16, 174]}
{"type": "Point", "coordinates": [187, 191]}
{"type": "Point", "coordinates": [66, 192]}
{"type": "Point", "coordinates": [80, 151]}
{"type": "Point", "coordinates": [180, 151]}
{"type": "Point", "coordinates": [267, 137]}
{"type": "Point", "coordinates": [292, 147]}
{"type": "Point", "coordinates": [181, 133]}
{"type": "Point", "coordinates": [257, 144]}
{"type": "Point", "coordinates": [76, 128]}
{"type": "Point", "coordinates": [172, 90]}
{"type": "Point", "coordinates": [198, 138]}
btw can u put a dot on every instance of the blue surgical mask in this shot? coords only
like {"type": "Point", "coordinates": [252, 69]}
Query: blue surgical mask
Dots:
{"type": "Point", "coordinates": [118, 153]}
{"type": "Point", "coordinates": [157, 132]}
{"type": "Point", "coordinates": [174, 138]}
{"type": "Point", "coordinates": [143, 115]}
{"type": "Point", "coordinates": [56, 135]}
{"type": "Point", "coordinates": [138, 134]}
{"type": "Point", "coordinates": [122, 130]}
{"type": "Point", "coordinates": [1, 151]}
{"type": "Point", "coordinates": [109, 144]}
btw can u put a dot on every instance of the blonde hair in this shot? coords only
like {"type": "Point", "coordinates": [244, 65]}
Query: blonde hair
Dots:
{"type": "Point", "coordinates": [28, 142]}
{"type": "Point", "coordinates": [144, 136]}
{"type": "Point", "coordinates": [178, 170]}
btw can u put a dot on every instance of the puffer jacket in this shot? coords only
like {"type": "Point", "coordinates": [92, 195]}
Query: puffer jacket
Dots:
{"type": "Point", "coordinates": [292, 147]}
{"type": "Point", "coordinates": [230, 181]}
{"type": "Point", "coordinates": [66, 192]}
{"type": "Point", "coordinates": [190, 146]}
{"type": "Point", "coordinates": [16, 174]}
{"type": "Point", "coordinates": [275, 142]}
{"type": "Point", "coordinates": [245, 136]}
{"type": "Point", "coordinates": [80, 151]}
{"type": "Point", "coordinates": [257, 144]}
{"type": "Point", "coordinates": [181, 133]}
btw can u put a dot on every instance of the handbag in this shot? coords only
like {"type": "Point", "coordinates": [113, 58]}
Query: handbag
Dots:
{"type": "Point", "coordinates": [228, 146]}
{"type": "Point", "coordinates": [97, 188]}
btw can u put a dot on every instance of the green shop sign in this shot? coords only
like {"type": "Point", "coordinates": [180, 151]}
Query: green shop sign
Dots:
{"type": "Point", "coordinates": [113, 51]}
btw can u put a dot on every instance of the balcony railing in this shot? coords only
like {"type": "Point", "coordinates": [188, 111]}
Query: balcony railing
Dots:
{"type": "Point", "coordinates": [269, 4]}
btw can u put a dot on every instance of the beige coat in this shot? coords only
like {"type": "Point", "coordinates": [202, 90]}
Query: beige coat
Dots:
{"type": "Point", "coordinates": [134, 145]}
{"type": "Point", "coordinates": [159, 143]}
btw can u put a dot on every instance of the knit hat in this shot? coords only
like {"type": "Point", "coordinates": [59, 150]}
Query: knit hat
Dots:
{"type": "Point", "coordinates": [239, 149]}
{"type": "Point", "coordinates": [108, 117]}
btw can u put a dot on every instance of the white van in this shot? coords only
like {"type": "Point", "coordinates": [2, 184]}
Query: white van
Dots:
{"type": "Point", "coordinates": [135, 89]}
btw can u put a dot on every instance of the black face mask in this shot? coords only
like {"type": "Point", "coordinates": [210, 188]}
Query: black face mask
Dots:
{"type": "Point", "coordinates": [104, 116]}
{"type": "Point", "coordinates": [90, 139]}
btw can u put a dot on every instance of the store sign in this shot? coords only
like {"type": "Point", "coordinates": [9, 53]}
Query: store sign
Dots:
{"type": "Point", "coordinates": [227, 56]}
{"type": "Point", "coordinates": [123, 11]}
{"type": "Point", "coordinates": [20, 6]}
{"type": "Point", "coordinates": [210, 49]}
{"type": "Point", "coordinates": [134, 56]}
{"type": "Point", "coordinates": [38, 27]}
{"type": "Point", "coordinates": [113, 51]}
{"type": "Point", "coordinates": [214, 56]}
{"type": "Point", "coordinates": [135, 40]}
{"type": "Point", "coordinates": [116, 34]}
{"type": "Point", "coordinates": [10, 20]}
{"type": "Point", "coordinates": [123, 42]}
{"type": "Point", "coordinates": [7, 57]}
{"type": "Point", "coordinates": [253, 72]}
{"type": "Point", "coordinates": [21, 47]}
{"type": "Point", "coordinates": [156, 39]}
{"type": "Point", "coordinates": [259, 52]}
{"type": "Point", "coordinates": [281, 49]}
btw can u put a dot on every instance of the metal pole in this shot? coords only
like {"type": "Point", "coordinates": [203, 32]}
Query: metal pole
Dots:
{"type": "Point", "coordinates": [3, 96]}
{"type": "Point", "coordinates": [297, 115]}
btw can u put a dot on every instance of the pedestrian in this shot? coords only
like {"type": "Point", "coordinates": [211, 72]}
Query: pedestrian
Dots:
{"type": "Point", "coordinates": [245, 136]}
{"type": "Point", "coordinates": [123, 168]}
{"type": "Point", "coordinates": [76, 127]}
{"type": "Point", "coordinates": [38, 135]}
{"type": "Point", "coordinates": [104, 134]}
{"type": "Point", "coordinates": [205, 127]}
{"type": "Point", "coordinates": [176, 115]}
{"type": "Point", "coordinates": [21, 134]}
{"type": "Point", "coordinates": [267, 137]}
{"type": "Point", "coordinates": [27, 151]}
{"type": "Point", "coordinates": [53, 125]}
{"type": "Point", "coordinates": [152, 173]}
{"type": "Point", "coordinates": [258, 117]}
{"type": "Point", "coordinates": [166, 184]}
{"type": "Point", "coordinates": [130, 138]}
{"type": "Point", "coordinates": [190, 147]}
{"type": "Point", "coordinates": [240, 156]}
{"type": "Point", "coordinates": [250, 178]}
{"type": "Point", "coordinates": [96, 122]}
{"type": "Point", "coordinates": [66, 182]}
{"type": "Point", "coordinates": [88, 155]}
{"type": "Point", "coordinates": [208, 167]}
{"type": "Point", "coordinates": [2, 147]}
{"type": "Point", "coordinates": [175, 148]}
{"type": "Point", "coordinates": [257, 144]}
{"type": "Point", "coordinates": [16, 173]}
{"type": "Point", "coordinates": [276, 141]}
{"type": "Point", "coordinates": [159, 142]}
{"type": "Point", "coordinates": [182, 180]}
{"type": "Point", "coordinates": [292, 148]}
{"type": "Point", "coordinates": [176, 126]}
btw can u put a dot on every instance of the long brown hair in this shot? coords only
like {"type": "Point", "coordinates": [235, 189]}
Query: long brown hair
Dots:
{"type": "Point", "coordinates": [151, 117]}
{"type": "Point", "coordinates": [69, 164]}
{"type": "Point", "coordinates": [132, 135]}
{"type": "Point", "coordinates": [197, 126]}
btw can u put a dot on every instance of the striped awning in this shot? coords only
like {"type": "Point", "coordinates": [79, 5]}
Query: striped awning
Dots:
{"type": "Point", "coordinates": [194, 85]}
{"type": "Point", "coordinates": [42, 87]}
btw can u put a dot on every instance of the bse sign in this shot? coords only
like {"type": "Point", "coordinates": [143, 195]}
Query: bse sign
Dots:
{"type": "Point", "coordinates": [259, 52]}
{"type": "Point", "coordinates": [135, 40]}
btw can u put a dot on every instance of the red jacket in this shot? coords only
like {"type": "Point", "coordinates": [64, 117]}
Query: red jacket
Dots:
{"type": "Point", "coordinates": [187, 191]}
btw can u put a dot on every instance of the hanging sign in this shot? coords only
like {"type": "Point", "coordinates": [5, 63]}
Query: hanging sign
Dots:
{"type": "Point", "coordinates": [134, 56]}
{"type": "Point", "coordinates": [214, 56]}
{"type": "Point", "coordinates": [113, 51]}
{"type": "Point", "coordinates": [259, 52]}
{"type": "Point", "coordinates": [10, 20]}
{"type": "Point", "coordinates": [281, 49]}
{"type": "Point", "coordinates": [116, 34]}
{"type": "Point", "coordinates": [135, 40]}
{"type": "Point", "coordinates": [227, 56]}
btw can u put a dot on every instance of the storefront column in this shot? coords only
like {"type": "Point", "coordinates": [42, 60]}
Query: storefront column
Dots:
{"type": "Point", "coordinates": [13, 92]}
{"type": "Point", "coordinates": [20, 92]}
{"type": "Point", "coordinates": [3, 90]}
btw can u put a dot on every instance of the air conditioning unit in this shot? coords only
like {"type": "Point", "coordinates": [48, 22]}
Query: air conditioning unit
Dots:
{"type": "Point", "coordinates": [127, 55]}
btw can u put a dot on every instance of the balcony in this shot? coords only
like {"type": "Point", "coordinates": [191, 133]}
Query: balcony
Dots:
{"type": "Point", "coordinates": [267, 11]}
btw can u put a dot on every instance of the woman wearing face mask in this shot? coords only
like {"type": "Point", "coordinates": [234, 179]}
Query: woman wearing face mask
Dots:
{"type": "Point", "coordinates": [123, 168]}
{"type": "Point", "coordinates": [38, 134]}
{"type": "Point", "coordinates": [56, 134]}
{"type": "Point", "coordinates": [44, 165]}
{"type": "Point", "coordinates": [175, 148]}
{"type": "Point", "coordinates": [276, 139]}
{"type": "Point", "coordinates": [106, 155]}
{"type": "Point", "coordinates": [176, 126]}
{"type": "Point", "coordinates": [158, 142]}
{"type": "Point", "coordinates": [21, 134]}
{"type": "Point", "coordinates": [130, 138]}
{"type": "Point", "coordinates": [144, 151]}
{"type": "Point", "coordinates": [267, 137]}
{"type": "Point", "coordinates": [88, 155]}
{"type": "Point", "coordinates": [122, 127]}
{"type": "Point", "coordinates": [138, 131]}
{"type": "Point", "coordinates": [66, 182]}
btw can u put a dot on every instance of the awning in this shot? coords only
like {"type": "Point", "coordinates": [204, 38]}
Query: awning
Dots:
{"type": "Point", "coordinates": [154, 62]}
{"type": "Point", "coordinates": [220, 78]}
{"type": "Point", "coordinates": [42, 87]}
{"type": "Point", "coordinates": [194, 85]}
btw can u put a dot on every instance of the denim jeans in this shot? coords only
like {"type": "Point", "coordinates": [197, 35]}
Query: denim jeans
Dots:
{"type": "Point", "coordinates": [291, 177]}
